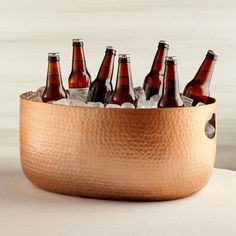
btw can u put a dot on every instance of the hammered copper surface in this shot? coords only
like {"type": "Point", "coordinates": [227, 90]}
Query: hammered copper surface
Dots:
{"type": "Point", "coordinates": [132, 154]}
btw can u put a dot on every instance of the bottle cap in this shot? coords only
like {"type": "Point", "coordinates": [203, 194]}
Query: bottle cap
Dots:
{"type": "Point", "coordinates": [163, 43]}
{"type": "Point", "coordinates": [212, 55]}
{"type": "Point", "coordinates": [110, 49]}
{"type": "Point", "coordinates": [171, 59]}
{"type": "Point", "coordinates": [77, 42]}
{"type": "Point", "coordinates": [54, 56]}
{"type": "Point", "coordinates": [124, 58]}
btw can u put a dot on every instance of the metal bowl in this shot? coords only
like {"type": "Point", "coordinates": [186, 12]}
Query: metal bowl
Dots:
{"type": "Point", "coordinates": [124, 154]}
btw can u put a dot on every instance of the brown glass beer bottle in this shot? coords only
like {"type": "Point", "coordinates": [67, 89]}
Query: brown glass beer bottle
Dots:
{"type": "Point", "coordinates": [153, 80]}
{"type": "Point", "coordinates": [101, 88]}
{"type": "Point", "coordinates": [79, 79]}
{"type": "Point", "coordinates": [54, 88]}
{"type": "Point", "coordinates": [124, 86]}
{"type": "Point", "coordinates": [170, 91]}
{"type": "Point", "coordinates": [197, 90]}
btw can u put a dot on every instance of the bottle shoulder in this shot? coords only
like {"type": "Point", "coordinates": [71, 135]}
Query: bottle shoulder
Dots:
{"type": "Point", "coordinates": [101, 83]}
{"type": "Point", "coordinates": [77, 73]}
{"type": "Point", "coordinates": [173, 101]}
{"type": "Point", "coordinates": [79, 79]}
{"type": "Point", "coordinates": [196, 85]}
{"type": "Point", "coordinates": [153, 76]}
{"type": "Point", "coordinates": [124, 93]}
{"type": "Point", "coordinates": [54, 93]}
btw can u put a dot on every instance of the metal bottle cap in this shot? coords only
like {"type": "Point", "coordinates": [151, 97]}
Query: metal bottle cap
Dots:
{"type": "Point", "coordinates": [124, 58]}
{"type": "Point", "coordinates": [77, 42]}
{"type": "Point", "coordinates": [171, 59]}
{"type": "Point", "coordinates": [110, 49]}
{"type": "Point", "coordinates": [54, 56]}
{"type": "Point", "coordinates": [163, 43]}
{"type": "Point", "coordinates": [212, 55]}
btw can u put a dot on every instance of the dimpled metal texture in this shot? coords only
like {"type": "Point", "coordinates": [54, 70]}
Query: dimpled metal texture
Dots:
{"type": "Point", "coordinates": [123, 154]}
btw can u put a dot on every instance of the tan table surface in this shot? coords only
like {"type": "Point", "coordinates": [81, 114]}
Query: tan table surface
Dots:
{"type": "Point", "coordinates": [27, 210]}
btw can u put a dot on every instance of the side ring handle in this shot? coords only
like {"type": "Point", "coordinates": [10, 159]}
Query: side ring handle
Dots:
{"type": "Point", "coordinates": [210, 127]}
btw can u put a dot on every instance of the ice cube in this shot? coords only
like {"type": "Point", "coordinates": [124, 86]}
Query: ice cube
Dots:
{"type": "Point", "coordinates": [62, 101]}
{"type": "Point", "coordinates": [76, 102]}
{"type": "Point", "coordinates": [141, 105]}
{"type": "Point", "coordinates": [147, 104]}
{"type": "Point", "coordinates": [127, 105]}
{"type": "Point", "coordinates": [200, 104]}
{"type": "Point", "coordinates": [140, 93]}
{"type": "Point", "coordinates": [112, 106]}
{"type": "Point", "coordinates": [78, 93]}
{"type": "Point", "coordinates": [27, 95]}
{"type": "Point", "coordinates": [95, 104]}
{"type": "Point", "coordinates": [188, 102]}
{"type": "Point", "coordinates": [34, 96]}
{"type": "Point", "coordinates": [155, 97]}
{"type": "Point", "coordinates": [40, 90]}
{"type": "Point", "coordinates": [68, 102]}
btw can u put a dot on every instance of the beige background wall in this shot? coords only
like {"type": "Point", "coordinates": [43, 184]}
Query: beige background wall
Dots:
{"type": "Point", "coordinates": [30, 29]}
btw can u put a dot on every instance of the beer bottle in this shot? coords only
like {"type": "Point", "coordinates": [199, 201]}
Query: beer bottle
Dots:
{"type": "Point", "coordinates": [101, 88]}
{"type": "Point", "coordinates": [197, 90]}
{"type": "Point", "coordinates": [170, 91]}
{"type": "Point", "coordinates": [153, 80]}
{"type": "Point", "coordinates": [79, 79]}
{"type": "Point", "coordinates": [124, 86]}
{"type": "Point", "coordinates": [54, 89]}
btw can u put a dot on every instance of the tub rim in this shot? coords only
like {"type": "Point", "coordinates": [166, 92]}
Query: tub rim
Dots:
{"type": "Point", "coordinates": [212, 102]}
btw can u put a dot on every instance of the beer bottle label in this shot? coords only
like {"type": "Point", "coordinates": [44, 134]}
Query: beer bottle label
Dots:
{"type": "Point", "coordinates": [188, 102]}
{"type": "Point", "coordinates": [79, 93]}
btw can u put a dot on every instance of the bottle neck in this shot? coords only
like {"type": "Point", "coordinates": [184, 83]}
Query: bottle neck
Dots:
{"type": "Point", "coordinates": [107, 67]}
{"type": "Point", "coordinates": [124, 75]}
{"type": "Point", "coordinates": [54, 73]}
{"type": "Point", "coordinates": [171, 80]}
{"type": "Point", "coordinates": [205, 71]}
{"type": "Point", "coordinates": [158, 64]}
{"type": "Point", "coordinates": [78, 60]}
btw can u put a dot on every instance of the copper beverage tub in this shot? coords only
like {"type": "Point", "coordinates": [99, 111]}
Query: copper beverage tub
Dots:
{"type": "Point", "coordinates": [125, 154]}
